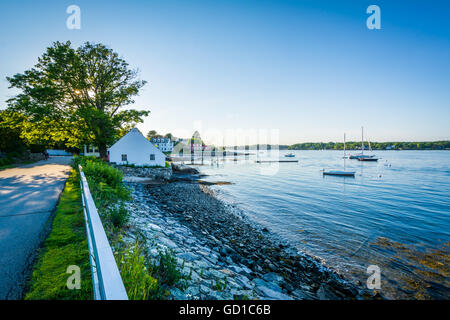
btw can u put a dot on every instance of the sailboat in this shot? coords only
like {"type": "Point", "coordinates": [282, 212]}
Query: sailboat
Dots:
{"type": "Point", "coordinates": [361, 155]}
{"type": "Point", "coordinates": [340, 173]}
{"type": "Point", "coordinates": [369, 158]}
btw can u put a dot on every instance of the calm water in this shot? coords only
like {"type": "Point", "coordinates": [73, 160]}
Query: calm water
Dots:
{"type": "Point", "coordinates": [395, 213]}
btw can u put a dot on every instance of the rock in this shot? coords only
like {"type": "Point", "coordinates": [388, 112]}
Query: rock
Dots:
{"type": "Point", "coordinates": [204, 289]}
{"type": "Point", "coordinates": [177, 294]}
{"type": "Point", "coordinates": [287, 286]}
{"type": "Point", "coordinates": [245, 270]}
{"type": "Point", "coordinates": [167, 242]}
{"type": "Point", "coordinates": [262, 283]}
{"type": "Point", "coordinates": [324, 293]}
{"type": "Point", "coordinates": [245, 282]}
{"type": "Point", "coordinates": [241, 294]}
{"type": "Point", "coordinates": [227, 272]}
{"type": "Point", "coordinates": [303, 295]}
{"type": "Point", "coordinates": [181, 168]}
{"type": "Point", "coordinates": [273, 277]}
{"type": "Point", "coordinates": [236, 269]}
{"type": "Point", "coordinates": [153, 227]}
{"type": "Point", "coordinates": [273, 295]}
{"type": "Point", "coordinates": [188, 256]}
{"type": "Point", "coordinates": [158, 174]}
{"type": "Point", "coordinates": [192, 292]}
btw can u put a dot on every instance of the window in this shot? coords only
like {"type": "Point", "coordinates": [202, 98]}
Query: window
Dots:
{"type": "Point", "coordinates": [152, 157]}
{"type": "Point", "coordinates": [124, 157]}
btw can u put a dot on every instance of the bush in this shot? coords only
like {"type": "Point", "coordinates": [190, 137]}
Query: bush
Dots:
{"type": "Point", "coordinates": [101, 172]}
{"type": "Point", "coordinates": [166, 269]}
{"type": "Point", "coordinates": [105, 182]}
{"type": "Point", "coordinates": [119, 216]}
{"type": "Point", "coordinates": [139, 283]}
{"type": "Point", "coordinates": [13, 155]}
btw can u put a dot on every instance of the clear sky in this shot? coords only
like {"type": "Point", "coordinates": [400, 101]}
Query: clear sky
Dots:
{"type": "Point", "coordinates": [311, 69]}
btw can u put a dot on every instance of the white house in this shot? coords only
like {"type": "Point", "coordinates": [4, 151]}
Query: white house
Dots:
{"type": "Point", "coordinates": [163, 144]}
{"type": "Point", "coordinates": [134, 148]}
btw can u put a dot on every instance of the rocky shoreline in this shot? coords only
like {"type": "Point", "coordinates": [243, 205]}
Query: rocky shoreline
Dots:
{"type": "Point", "coordinates": [225, 255]}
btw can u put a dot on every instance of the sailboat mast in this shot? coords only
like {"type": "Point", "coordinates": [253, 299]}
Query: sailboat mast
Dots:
{"type": "Point", "coordinates": [344, 151]}
{"type": "Point", "coordinates": [362, 140]}
{"type": "Point", "coordinates": [344, 145]}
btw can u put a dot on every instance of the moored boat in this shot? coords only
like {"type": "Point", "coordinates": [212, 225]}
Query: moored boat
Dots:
{"type": "Point", "coordinates": [361, 155]}
{"type": "Point", "coordinates": [289, 155]}
{"type": "Point", "coordinates": [339, 173]}
{"type": "Point", "coordinates": [368, 159]}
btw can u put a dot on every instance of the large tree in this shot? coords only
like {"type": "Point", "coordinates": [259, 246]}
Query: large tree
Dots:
{"type": "Point", "coordinates": [79, 95]}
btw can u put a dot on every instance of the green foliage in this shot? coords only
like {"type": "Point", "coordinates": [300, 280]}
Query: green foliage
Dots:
{"type": "Point", "coordinates": [140, 285]}
{"type": "Point", "coordinates": [10, 138]}
{"type": "Point", "coordinates": [167, 164]}
{"type": "Point", "coordinates": [166, 268]}
{"type": "Point", "coordinates": [153, 134]}
{"type": "Point", "coordinates": [119, 216]}
{"type": "Point", "coordinates": [220, 285]}
{"type": "Point", "coordinates": [77, 95]}
{"type": "Point", "coordinates": [105, 184]}
{"type": "Point", "coordinates": [147, 278]}
{"type": "Point", "coordinates": [435, 145]}
{"type": "Point", "coordinates": [66, 245]}
{"type": "Point", "coordinates": [102, 173]}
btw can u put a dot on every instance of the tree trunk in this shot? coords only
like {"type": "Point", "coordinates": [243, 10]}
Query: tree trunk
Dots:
{"type": "Point", "coordinates": [102, 151]}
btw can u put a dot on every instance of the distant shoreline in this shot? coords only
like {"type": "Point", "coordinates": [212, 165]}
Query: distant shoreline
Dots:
{"type": "Point", "coordinates": [352, 145]}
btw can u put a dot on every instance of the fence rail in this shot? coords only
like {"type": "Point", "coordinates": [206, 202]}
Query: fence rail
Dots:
{"type": "Point", "coordinates": [106, 277]}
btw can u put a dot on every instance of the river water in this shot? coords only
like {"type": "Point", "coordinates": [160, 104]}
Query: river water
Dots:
{"type": "Point", "coordinates": [395, 213]}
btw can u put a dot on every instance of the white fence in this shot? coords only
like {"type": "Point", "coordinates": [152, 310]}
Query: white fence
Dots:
{"type": "Point", "coordinates": [106, 277]}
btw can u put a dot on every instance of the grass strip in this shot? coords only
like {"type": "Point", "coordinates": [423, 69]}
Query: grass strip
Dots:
{"type": "Point", "coordinates": [65, 246]}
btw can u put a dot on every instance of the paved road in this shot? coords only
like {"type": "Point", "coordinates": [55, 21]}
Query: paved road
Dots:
{"type": "Point", "coordinates": [28, 196]}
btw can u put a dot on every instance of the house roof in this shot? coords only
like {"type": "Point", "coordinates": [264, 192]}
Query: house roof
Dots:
{"type": "Point", "coordinates": [134, 136]}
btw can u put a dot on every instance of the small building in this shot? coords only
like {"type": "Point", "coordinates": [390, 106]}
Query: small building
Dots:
{"type": "Point", "coordinates": [163, 144]}
{"type": "Point", "coordinates": [91, 151]}
{"type": "Point", "coordinates": [134, 148]}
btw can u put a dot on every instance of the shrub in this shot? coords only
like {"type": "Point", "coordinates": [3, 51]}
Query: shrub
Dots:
{"type": "Point", "coordinates": [13, 155]}
{"type": "Point", "coordinates": [166, 269]}
{"type": "Point", "coordinates": [119, 216]}
{"type": "Point", "coordinates": [139, 283]}
{"type": "Point", "coordinates": [102, 172]}
{"type": "Point", "coordinates": [105, 182]}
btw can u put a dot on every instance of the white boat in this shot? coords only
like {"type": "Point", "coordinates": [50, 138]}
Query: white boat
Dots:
{"type": "Point", "coordinates": [338, 172]}
{"type": "Point", "coordinates": [361, 155]}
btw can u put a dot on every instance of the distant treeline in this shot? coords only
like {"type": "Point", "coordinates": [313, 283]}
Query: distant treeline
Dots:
{"type": "Point", "coordinates": [434, 145]}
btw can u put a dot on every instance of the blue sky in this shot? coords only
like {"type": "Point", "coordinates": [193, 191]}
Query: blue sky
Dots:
{"type": "Point", "coordinates": [311, 69]}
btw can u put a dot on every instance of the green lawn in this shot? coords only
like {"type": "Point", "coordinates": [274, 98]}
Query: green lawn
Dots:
{"type": "Point", "coordinates": [65, 246]}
